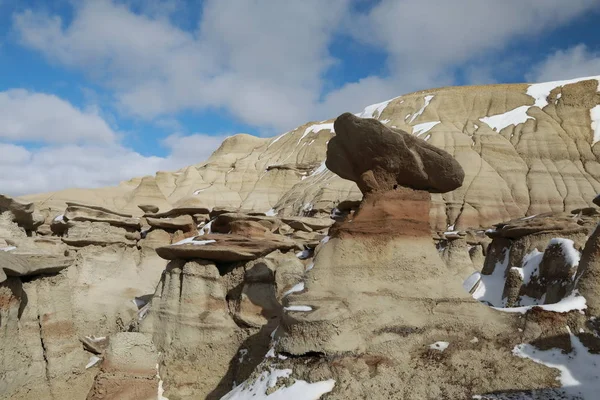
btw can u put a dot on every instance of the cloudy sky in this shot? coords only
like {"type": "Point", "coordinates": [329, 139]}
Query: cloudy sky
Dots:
{"type": "Point", "coordinates": [93, 92]}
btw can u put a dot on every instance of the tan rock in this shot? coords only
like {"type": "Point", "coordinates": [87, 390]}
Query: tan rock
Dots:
{"type": "Point", "coordinates": [75, 212]}
{"type": "Point", "coordinates": [183, 222]}
{"type": "Point", "coordinates": [98, 233]}
{"type": "Point", "coordinates": [225, 248]}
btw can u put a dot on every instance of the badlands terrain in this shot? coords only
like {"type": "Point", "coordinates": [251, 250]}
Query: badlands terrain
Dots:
{"type": "Point", "coordinates": [440, 245]}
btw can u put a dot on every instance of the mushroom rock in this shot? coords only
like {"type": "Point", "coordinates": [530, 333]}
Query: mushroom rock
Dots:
{"type": "Point", "coordinates": [379, 158]}
{"type": "Point", "coordinates": [378, 304]}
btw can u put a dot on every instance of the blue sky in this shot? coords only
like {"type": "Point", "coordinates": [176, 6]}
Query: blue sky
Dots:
{"type": "Point", "coordinates": [95, 92]}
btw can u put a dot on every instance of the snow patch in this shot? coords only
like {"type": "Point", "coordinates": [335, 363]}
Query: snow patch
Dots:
{"type": "Point", "coordinates": [425, 127]}
{"type": "Point", "coordinates": [573, 302]}
{"type": "Point", "coordinates": [200, 190]}
{"type": "Point", "coordinates": [298, 308]}
{"type": "Point", "coordinates": [579, 369]}
{"type": "Point", "coordinates": [60, 217]}
{"type": "Point", "coordinates": [299, 390]}
{"type": "Point", "coordinates": [93, 361]}
{"type": "Point", "coordinates": [271, 213]}
{"type": "Point", "coordinates": [277, 139]}
{"type": "Point", "coordinates": [9, 248]}
{"type": "Point", "coordinates": [491, 286]}
{"type": "Point", "coordinates": [441, 346]}
{"type": "Point", "coordinates": [296, 288]}
{"type": "Point", "coordinates": [206, 229]}
{"type": "Point", "coordinates": [304, 254]}
{"type": "Point", "coordinates": [513, 117]}
{"type": "Point", "coordinates": [317, 128]}
{"type": "Point", "coordinates": [160, 391]}
{"type": "Point", "coordinates": [572, 256]}
{"type": "Point", "coordinates": [374, 110]}
{"type": "Point", "coordinates": [595, 115]}
{"type": "Point", "coordinates": [471, 281]}
{"type": "Point", "coordinates": [541, 91]}
{"type": "Point", "coordinates": [427, 101]}
{"type": "Point", "coordinates": [325, 239]}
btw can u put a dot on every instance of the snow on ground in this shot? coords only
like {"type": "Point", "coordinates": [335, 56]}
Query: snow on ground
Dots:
{"type": "Point", "coordinates": [9, 248]}
{"type": "Point", "coordinates": [296, 288]}
{"type": "Point", "coordinates": [471, 281]}
{"type": "Point", "coordinates": [298, 308]}
{"type": "Point", "coordinates": [425, 127]}
{"type": "Point", "coordinates": [310, 266]}
{"type": "Point", "coordinates": [271, 212]}
{"type": "Point", "coordinates": [304, 254]}
{"type": "Point", "coordinates": [415, 115]}
{"type": "Point", "coordinates": [513, 117]}
{"type": "Point", "coordinates": [93, 361]}
{"type": "Point", "coordinates": [374, 110]}
{"type": "Point", "coordinates": [299, 390]}
{"type": "Point", "coordinates": [325, 239]}
{"type": "Point", "coordinates": [573, 302]}
{"type": "Point", "coordinates": [160, 386]}
{"type": "Point", "coordinates": [192, 240]}
{"type": "Point", "coordinates": [595, 115]}
{"type": "Point", "coordinates": [530, 266]}
{"type": "Point", "coordinates": [579, 369]}
{"type": "Point", "coordinates": [317, 128]}
{"type": "Point", "coordinates": [60, 217]}
{"type": "Point", "coordinates": [540, 91]}
{"type": "Point", "coordinates": [441, 346]}
{"type": "Point", "coordinates": [490, 287]}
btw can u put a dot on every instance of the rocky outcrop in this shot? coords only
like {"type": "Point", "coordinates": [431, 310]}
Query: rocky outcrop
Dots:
{"type": "Point", "coordinates": [534, 260]}
{"type": "Point", "coordinates": [128, 370]}
{"type": "Point", "coordinates": [22, 213]}
{"type": "Point", "coordinates": [378, 301]}
{"type": "Point", "coordinates": [525, 150]}
{"type": "Point", "coordinates": [225, 248]}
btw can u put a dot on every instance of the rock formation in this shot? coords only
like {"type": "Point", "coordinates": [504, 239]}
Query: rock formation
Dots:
{"type": "Point", "coordinates": [525, 149]}
{"type": "Point", "coordinates": [378, 312]}
{"type": "Point", "coordinates": [345, 259]}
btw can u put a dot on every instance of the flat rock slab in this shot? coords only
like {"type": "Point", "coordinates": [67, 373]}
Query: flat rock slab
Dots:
{"type": "Point", "coordinates": [379, 158]}
{"type": "Point", "coordinates": [308, 224]}
{"type": "Point", "coordinates": [97, 214]}
{"type": "Point", "coordinates": [31, 264]}
{"type": "Point", "coordinates": [183, 222]}
{"type": "Point", "coordinates": [224, 248]}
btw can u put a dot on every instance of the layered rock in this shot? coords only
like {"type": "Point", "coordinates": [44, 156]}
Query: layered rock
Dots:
{"type": "Point", "coordinates": [525, 149]}
{"type": "Point", "coordinates": [380, 315]}
{"type": "Point", "coordinates": [533, 260]}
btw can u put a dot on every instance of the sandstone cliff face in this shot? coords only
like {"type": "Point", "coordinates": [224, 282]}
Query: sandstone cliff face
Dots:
{"type": "Point", "coordinates": [525, 149]}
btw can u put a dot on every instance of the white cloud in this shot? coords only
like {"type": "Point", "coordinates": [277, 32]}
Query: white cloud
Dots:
{"type": "Point", "coordinates": [425, 40]}
{"type": "Point", "coordinates": [261, 60]}
{"type": "Point", "coordinates": [577, 61]}
{"type": "Point", "coordinates": [78, 150]}
{"type": "Point", "coordinates": [40, 117]}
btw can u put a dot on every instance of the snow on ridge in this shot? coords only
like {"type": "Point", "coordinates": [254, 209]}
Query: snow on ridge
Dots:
{"type": "Point", "coordinates": [277, 138]}
{"type": "Point", "coordinates": [375, 109]}
{"type": "Point", "coordinates": [513, 117]}
{"type": "Point", "coordinates": [192, 240]}
{"type": "Point", "coordinates": [425, 127]}
{"type": "Point", "coordinates": [317, 128]}
{"type": "Point", "coordinates": [427, 100]}
{"type": "Point", "coordinates": [540, 91]}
